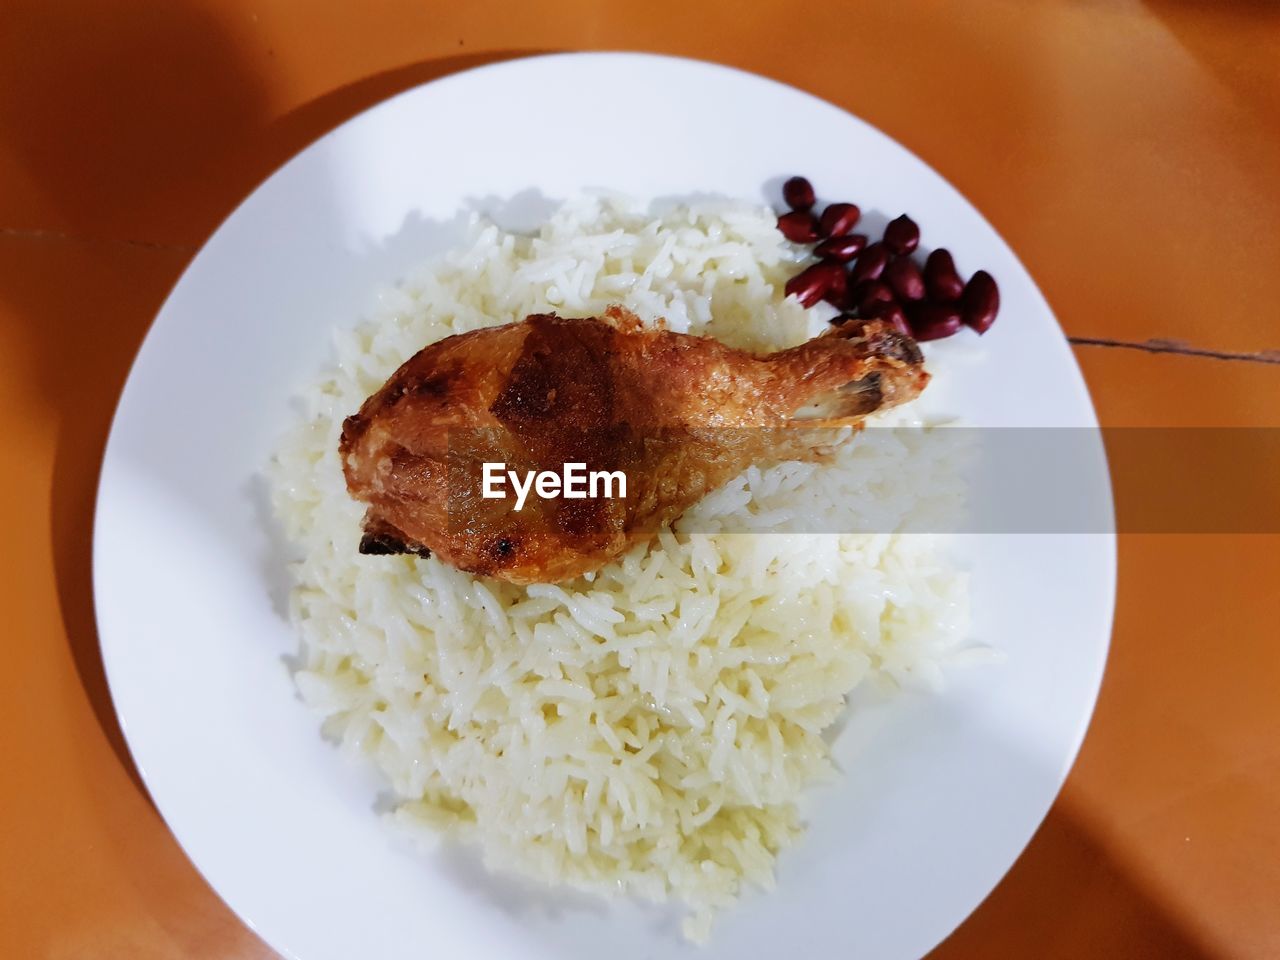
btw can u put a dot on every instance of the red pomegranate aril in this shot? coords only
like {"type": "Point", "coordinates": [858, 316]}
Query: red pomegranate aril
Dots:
{"type": "Point", "coordinates": [798, 226]}
{"type": "Point", "coordinates": [811, 284]}
{"type": "Point", "coordinates": [941, 279]}
{"type": "Point", "coordinates": [838, 219]}
{"type": "Point", "coordinates": [890, 312]}
{"type": "Point", "coordinates": [841, 249]}
{"type": "Point", "coordinates": [902, 235]}
{"type": "Point", "coordinates": [837, 283]}
{"type": "Point", "coordinates": [980, 301]}
{"type": "Point", "coordinates": [798, 192]}
{"type": "Point", "coordinates": [871, 263]}
{"type": "Point", "coordinates": [933, 321]}
{"type": "Point", "coordinates": [903, 277]}
{"type": "Point", "coordinates": [864, 294]}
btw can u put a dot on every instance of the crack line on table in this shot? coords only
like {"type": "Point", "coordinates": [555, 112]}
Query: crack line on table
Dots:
{"type": "Point", "coordinates": [1179, 347]}
{"type": "Point", "coordinates": [18, 233]}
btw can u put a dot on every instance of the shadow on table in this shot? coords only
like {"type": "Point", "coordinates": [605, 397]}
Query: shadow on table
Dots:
{"type": "Point", "coordinates": [1068, 897]}
{"type": "Point", "coordinates": [140, 125]}
{"type": "Point", "coordinates": [1235, 41]}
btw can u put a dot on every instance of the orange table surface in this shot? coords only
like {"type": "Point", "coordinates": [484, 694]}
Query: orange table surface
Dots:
{"type": "Point", "coordinates": [1129, 152]}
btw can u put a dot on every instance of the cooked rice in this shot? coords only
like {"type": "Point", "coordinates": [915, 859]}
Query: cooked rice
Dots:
{"type": "Point", "coordinates": [648, 728]}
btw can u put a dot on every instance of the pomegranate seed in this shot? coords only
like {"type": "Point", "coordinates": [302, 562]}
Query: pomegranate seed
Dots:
{"type": "Point", "coordinates": [980, 302]}
{"type": "Point", "coordinates": [903, 277]}
{"type": "Point", "coordinates": [941, 280]}
{"type": "Point", "coordinates": [933, 321]}
{"type": "Point", "coordinates": [864, 294]}
{"type": "Point", "coordinates": [810, 284]}
{"type": "Point", "coordinates": [798, 227]}
{"type": "Point", "coordinates": [798, 193]}
{"type": "Point", "coordinates": [837, 283]}
{"type": "Point", "coordinates": [871, 263]}
{"type": "Point", "coordinates": [838, 219]}
{"type": "Point", "coordinates": [902, 235]}
{"type": "Point", "coordinates": [841, 249]}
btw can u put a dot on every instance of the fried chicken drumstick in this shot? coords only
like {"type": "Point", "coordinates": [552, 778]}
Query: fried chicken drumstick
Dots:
{"type": "Point", "coordinates": [679, 415]}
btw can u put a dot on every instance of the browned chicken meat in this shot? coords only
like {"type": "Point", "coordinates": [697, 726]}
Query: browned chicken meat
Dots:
{"type": "Point", "coordinates": [676, 415]}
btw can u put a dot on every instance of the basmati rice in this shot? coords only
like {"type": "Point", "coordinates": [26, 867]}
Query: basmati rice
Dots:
{"type": "Point", "coordinates": [648, 728]}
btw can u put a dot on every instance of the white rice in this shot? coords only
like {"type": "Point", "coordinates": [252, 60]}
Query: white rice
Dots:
{"type": "Point", "coordinates": [649, 728]}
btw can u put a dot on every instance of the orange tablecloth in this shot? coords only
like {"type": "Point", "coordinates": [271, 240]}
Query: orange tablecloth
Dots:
{"type": "Point", "coordinates": [1129, 151]}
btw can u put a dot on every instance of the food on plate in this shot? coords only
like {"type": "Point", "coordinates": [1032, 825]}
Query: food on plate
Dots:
{"type": "Point", "coordinates": [798, 193]}
{"type": "Point", "coordinates": [649, 727]}
{"type": "Point", "coordinates": [980, 301]}
{"type": "Point", "coordinates": [799, 226]}
{"type": "Point", "coordinates": [902, 236]}
{"type": "Point", "coordinates": [678, 415]}
{"type": "Point", "coordinates": [929, 302]}
{"type": "Point", "coordinates": [941, 279]}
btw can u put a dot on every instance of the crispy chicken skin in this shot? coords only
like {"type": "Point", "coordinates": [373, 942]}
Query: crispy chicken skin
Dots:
{"type": "Point", "coordinates": [678, 414]}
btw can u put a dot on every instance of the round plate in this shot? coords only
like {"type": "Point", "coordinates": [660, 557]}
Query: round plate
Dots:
{"type": "Point", "coordinates": [940, 792]}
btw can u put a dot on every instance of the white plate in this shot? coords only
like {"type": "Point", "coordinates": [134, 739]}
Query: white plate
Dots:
{"type": "Point", "coordinates": [940, 794]}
